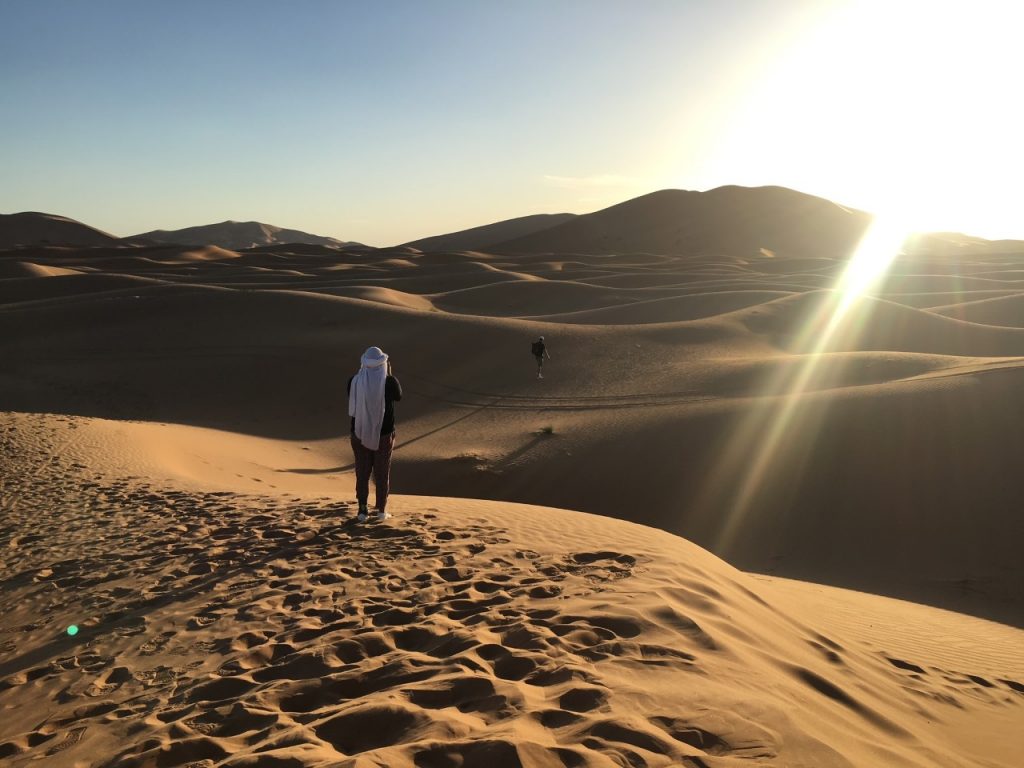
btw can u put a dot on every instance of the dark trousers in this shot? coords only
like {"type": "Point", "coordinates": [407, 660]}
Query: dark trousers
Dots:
{"type": "Point", "coordinates": [378, 462]}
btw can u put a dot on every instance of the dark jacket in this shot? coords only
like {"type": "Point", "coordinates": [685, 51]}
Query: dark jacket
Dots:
{"type": "Point", "coordinates": [392, 394]}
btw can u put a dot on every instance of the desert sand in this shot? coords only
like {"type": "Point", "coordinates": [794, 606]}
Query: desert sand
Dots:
{"type": "Point", "coordinates": [717, 533]}
{"type": "Point", "coordinates": [249, 628]}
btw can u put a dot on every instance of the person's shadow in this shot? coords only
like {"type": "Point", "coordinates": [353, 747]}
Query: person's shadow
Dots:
{"type": "Point", "coordinates": [399, 446]}
{"type": "Point", "coordinates": [326, 471]}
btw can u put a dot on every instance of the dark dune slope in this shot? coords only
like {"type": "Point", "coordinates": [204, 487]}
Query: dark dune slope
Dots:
{"type": "Point", "coordinates": [728, 220]}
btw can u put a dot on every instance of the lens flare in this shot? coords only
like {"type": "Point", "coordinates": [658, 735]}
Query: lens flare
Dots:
{"type": "Point", "coordinates": [777, 433]}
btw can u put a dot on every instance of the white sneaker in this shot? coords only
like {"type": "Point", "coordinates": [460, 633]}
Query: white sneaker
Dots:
{"type": "Point", "coordinates": [540, 375]}
{"type": "Point", "coordinates": [361, 517]}
{"type": "Point", "coordinates": [382, 516]}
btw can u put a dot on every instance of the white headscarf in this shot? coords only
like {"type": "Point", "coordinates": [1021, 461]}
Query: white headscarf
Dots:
{"type": "Point", "coordinates": [366, 397]}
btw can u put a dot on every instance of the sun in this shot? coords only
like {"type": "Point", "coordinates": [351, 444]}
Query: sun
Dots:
{"type": "Point", "coordinates": [870, 261]}
{"type": "Point", "coordinates": [906, 109]}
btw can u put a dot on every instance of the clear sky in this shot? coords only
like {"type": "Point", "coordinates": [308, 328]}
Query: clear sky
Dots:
{"type": "Point", "coordinates": [387, 121]}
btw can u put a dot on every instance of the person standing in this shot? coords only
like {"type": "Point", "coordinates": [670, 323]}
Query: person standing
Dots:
{"type": "Point", "coordinates": [540, 351]}
{"type": "Point", "coordinates": [372, 394]}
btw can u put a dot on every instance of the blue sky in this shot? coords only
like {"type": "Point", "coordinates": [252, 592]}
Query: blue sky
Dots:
{"type": "Point", "coordinates": [387, 121]}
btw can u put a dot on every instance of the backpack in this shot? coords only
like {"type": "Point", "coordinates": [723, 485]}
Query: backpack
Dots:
{"type": "Point", "coordinates": [538, 348]}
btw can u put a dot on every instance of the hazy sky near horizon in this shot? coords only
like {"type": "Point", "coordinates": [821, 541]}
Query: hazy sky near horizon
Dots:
{"type": "Point", "coordinates": [387, 121]}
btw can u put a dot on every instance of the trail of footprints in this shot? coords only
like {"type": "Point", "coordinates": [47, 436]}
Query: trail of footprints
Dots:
{"type": "Point", "coordinates": [310, 615]}
{"type": "Point", "coordinates": [219, 630]}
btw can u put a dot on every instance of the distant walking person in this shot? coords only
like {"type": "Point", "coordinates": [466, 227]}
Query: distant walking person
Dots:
{"type": "Point", "coordinates": [540, 351]}
{"type": "Point", "coordinates": [372, 394]}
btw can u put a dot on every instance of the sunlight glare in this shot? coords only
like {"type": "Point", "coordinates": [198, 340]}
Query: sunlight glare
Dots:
{"type": "Point", "coordinates": [904, 109]}
{"type": "Point", "coordinates": [759, 445]}
{"type": "Point", "coordinates": [869, 263]}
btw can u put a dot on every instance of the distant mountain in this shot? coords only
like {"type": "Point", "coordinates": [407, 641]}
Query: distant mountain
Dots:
{"type": "Point", "coordinates": [733, 220]}
{"type": "Point", "coordinates": [480, 238]}
{"type": "Point", "coordinates": [236, 235]}
{"type": "Point", "coordinates": [31, 228]}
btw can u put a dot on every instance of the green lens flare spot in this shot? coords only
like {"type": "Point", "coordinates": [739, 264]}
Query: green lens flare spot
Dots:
{"type": "Point", "coordinates": [73, 630]}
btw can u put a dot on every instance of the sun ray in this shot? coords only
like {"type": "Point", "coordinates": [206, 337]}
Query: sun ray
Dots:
{"type": "Point", "coordinates": [759, 446]}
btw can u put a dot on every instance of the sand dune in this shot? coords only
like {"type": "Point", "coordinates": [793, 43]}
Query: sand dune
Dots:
{"type": "Point", "coordinates": [739, 221]}
{"type": "Point", "coordinates": [219, 627]}
{"type": "Point", "coordinates": [521, 297]}
{"type": "Point", "coordinates": [90, 286]}
{"type": "Point", "coordinates": [110, 258]}
{"type": "Point", "coordinates": [176, 481]}
{"type": "Point", "coordinates": [293, 248]}
{"type": "Point", "coordinates": [686, 359]}
{"type": "Point", "coordinates": [667, 310]}
{"type": "Point", "coordinates": [998, 310]}
{"type": "Point", "coordinates": [235, 235]}
{"type": "Point", "coordinates": [941, 300]}
{"type": "Point", "coordinates": [13, 269]}
{"type": "Point", "coordinates": [479, 238]}
{"type": "Point", "coordinates": [31, 228]}
{"type": "Point", "coordinates": [876, 324]}
{"type": "Point", "coordinates": [380, 295]}
{"type": "Point", "coordinates": [471, 426]}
